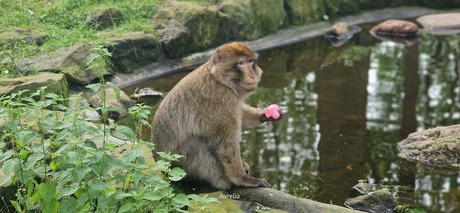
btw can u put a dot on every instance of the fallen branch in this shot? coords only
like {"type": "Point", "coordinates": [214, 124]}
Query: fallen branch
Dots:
{"type": "Point", "coordinates": [279, 200]}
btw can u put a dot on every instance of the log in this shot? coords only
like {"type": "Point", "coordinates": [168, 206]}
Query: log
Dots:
{"type": "Point", "coordinates": [280, 200]}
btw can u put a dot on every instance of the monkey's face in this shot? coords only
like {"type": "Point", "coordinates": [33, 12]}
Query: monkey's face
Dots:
{"type": "Point", "coordinates": [248, 76]}
{"type": "Point", "coordinates": [235, 65]}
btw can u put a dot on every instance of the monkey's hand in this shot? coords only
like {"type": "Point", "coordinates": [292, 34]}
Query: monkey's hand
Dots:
{"type": "Point", "coordinates": [263, 118]}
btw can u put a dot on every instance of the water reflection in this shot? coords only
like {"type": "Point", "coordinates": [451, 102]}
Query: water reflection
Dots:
{"type": "Point", "coordinates": [347, 108]}
{"type": "Point", "coordinates": [347, 112]}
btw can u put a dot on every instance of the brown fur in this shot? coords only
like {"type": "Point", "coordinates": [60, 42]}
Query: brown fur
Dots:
{"type": "Point", "coordinates": [202, 116]}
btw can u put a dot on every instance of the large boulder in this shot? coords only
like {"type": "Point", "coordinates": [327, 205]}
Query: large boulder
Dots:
{"type": "Point", "coordinates": [105, 17]}
{"type": "Point", "coordinates": [395, 27]}
{"type": "Point", "coordinates": [15, 34]}
{"type": "Point", "coordinates": [441, 23]}
{"type": "Point", "coordinates": [72, 61]}
{"type": "Point", "coordinates": [185, 27]}
{"type": "Point", "coordinates": [133, 50]}
{"type": "Point", "coordinates": [437, 148]}
{"type": "Point", "coordinates": [304, 11]}
{"type": "Point", "coordinates": [55, 83]}
{"type": "Point", "coordinates": [253, 19]}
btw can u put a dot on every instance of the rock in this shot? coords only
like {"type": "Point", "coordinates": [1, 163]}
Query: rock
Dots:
{"type": "Point", "coordinates": [55, 83]}
{"type": "Point", "coordinates": [105, 17]}
{"type": "Point", "coordinates": [253, 19]}
{"type": "Point", "coordinates": [185, 27]}
{"type": "Point", "coordinates": [395, 27]}
{"type": "Point", "coordinates": [363, 188]}
{"type": "Point", "coordinates": [119, 105]}
{"type": "Point", "coordinates": [146, 92]}
{"type": "Point", "coordinates": [133, 50]}
{"type": "Point", "coordinates": [437, 148]}
{"type": "Point", "coordinates": [379, 201]}
{"type": "Point", "coordinates": [72, 61]}
{"type": "Point", "coordinates": [446, 23]}
{"type": "Point", "coordinates": [15, 34]}
{"type": "Point", "coordinates": [340, 33]}
{"type": "Point", "coordinates": [301, 12]}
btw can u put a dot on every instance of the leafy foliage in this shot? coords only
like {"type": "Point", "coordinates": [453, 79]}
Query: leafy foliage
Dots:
{"type": "Point", "coordinates": [62, 162]}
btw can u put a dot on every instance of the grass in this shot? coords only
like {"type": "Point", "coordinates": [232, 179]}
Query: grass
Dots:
{"type": "Point", "coordinates": [66, 22]}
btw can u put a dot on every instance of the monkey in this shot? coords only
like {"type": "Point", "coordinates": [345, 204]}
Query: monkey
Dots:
{"type": "Point", "coordinates": [202, 117]}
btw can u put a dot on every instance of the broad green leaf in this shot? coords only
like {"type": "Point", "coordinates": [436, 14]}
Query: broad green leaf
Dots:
{"type": "Point", "coordinates": [124, 133]}
{"type": "Point", "coordinates": [10, 166]}
{"type": "Point", "coordinates": [68, 205]}
{"type": "Point", "coordinates": [127, 207]}
{"type": "Point", "coordinates": [131, 155]}
{"type": "Point", "coordinates": [180, 200]}
{"type": "Point", "coordinates": [176, 174]}
{"type": "Point", "coordinates": [45, 194]}
{"type": "Point", "coordinates": [6, 155]}
{"type": "Point", "coordinates": [27, 136]}
{"type": "Point", "coordinates": [33, 159]}
{"type": "Point", "coordinates": [169, 157]}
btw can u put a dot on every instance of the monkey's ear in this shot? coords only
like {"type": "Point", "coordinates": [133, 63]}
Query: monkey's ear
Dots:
{"type": "Point", "coordinates": [216, 56]}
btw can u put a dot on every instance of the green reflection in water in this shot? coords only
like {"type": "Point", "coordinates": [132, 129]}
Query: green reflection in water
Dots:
{"type": "Point", "coordinates": [346, 110]}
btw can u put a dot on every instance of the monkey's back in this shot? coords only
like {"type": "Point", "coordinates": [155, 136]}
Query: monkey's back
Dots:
{"type": "Point", "coordinates": [197, 108]}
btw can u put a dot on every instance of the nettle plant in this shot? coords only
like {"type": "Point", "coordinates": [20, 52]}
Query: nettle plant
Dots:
{"type": "Point", "coordinates": [62, 159]}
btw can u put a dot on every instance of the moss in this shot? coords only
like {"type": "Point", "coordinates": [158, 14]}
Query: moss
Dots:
{"type": "Point", "coordinates": [304, 11]}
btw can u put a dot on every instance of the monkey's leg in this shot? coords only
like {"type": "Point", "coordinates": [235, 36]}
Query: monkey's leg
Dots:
{"type": "Point", "coordinates": [201, 164]}
{"type": "Point", "coordinates": [228, 153]}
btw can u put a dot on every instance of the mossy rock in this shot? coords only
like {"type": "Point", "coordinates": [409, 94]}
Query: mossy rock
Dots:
{"type": "Point", "coordinates": [55, 83]}
{"type": "Point", "coordinates": [304, 11]}
{"type": "Point", "coordinates": [185, 27]}
{"type": "Point", "coordinates": [15, 34]}
{"type": "Point", "coordinates": [105, 17]}
{"type": "Point", "coordinates": [134, 50]}
{"type": "Point", "coordinates": [253, 19]}
{"type": "Point", "coordinates": [72, 61]}
{"type": "Point", "coordinates": [437, 148]}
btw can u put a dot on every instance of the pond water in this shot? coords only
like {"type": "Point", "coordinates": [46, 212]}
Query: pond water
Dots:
{"type": "Point", "coordinates": [347, 108]}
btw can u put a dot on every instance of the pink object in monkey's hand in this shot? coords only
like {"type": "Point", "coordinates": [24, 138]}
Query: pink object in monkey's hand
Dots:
{"type": "Point", "coordinates": [273, 111]}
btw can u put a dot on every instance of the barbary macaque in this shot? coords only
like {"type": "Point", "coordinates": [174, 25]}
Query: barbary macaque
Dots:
{"type": "Point", "coordinates": [202, 116]}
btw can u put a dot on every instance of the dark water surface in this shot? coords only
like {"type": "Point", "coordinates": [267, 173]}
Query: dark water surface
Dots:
{"type": "Point", "coordinates": [347, 108]}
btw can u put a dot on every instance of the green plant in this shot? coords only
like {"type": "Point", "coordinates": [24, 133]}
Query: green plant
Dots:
{"type": "Point", "coordinates": [61, 161]}
{"type": "Point", "coordinates": [64, 160]}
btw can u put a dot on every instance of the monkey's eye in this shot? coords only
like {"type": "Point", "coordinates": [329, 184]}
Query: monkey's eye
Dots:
{"type": "Point", "coordinates": [241, 63]}
{"type": "Point", "coordinates": [251, 61]}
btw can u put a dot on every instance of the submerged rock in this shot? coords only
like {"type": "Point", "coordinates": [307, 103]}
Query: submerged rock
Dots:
{"type": "Point", "coordinates": [380, 201]}
{"type": "Point", "coordinates": [72, 61]}
{"type": "Point", "coordinates": [446, 23]}
{"type": "Point", "coordinates": [393, 27]}
{"type": "Point", "coordinates": [340, 33]}
{"type": "Point", "coordinates": [133, 50]}
{"type": "Point", "coordinates": [438, 148]}
{"type": "Point", "coordinates": [146, 92]}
